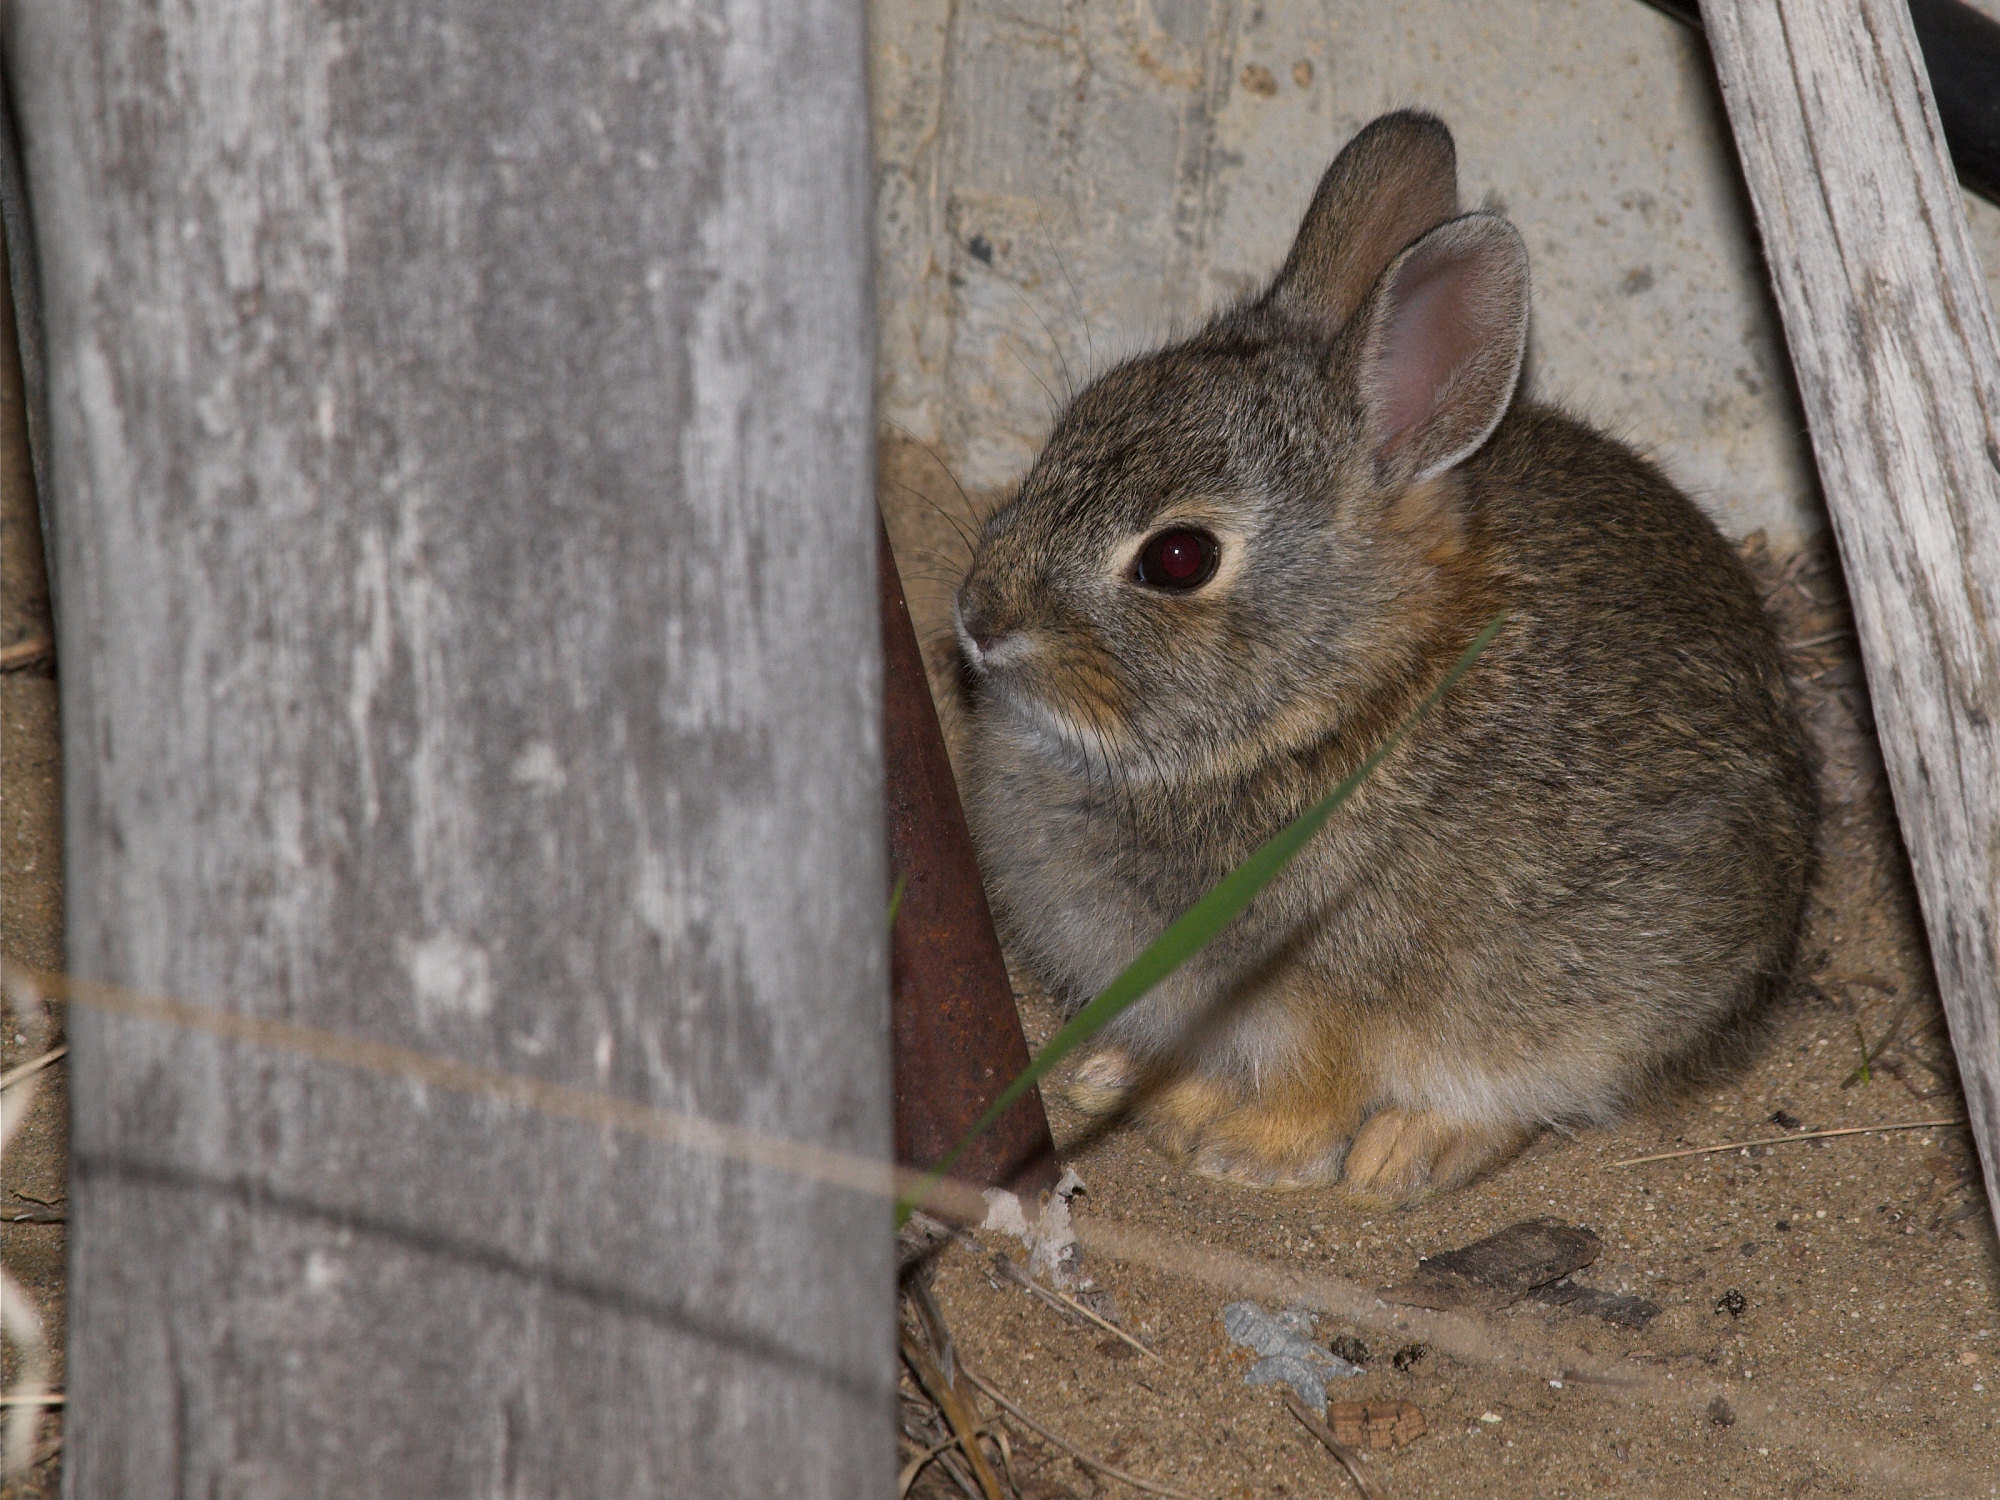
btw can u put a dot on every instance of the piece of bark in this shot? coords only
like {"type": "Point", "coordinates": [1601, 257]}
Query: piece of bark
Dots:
{"type": "Point", "coordinates": [1594, 1302]}
{"type": "Point", "coordinates": [1499, 1269]}
{"type": "Point", "coordinates": [1376, 1425]}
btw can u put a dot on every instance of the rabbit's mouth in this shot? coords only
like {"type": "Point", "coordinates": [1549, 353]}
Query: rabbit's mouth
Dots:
{"type": "Point", "coordinates": [1063, 693]}
{"type": "Point", "coordinates": [1068, 726]}
{"type": "Point", "coordinates": [1072, 715]}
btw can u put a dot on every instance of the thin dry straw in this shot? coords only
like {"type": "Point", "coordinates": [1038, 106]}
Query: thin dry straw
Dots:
{"type": "Point", "coordinates": [560, 1101]}
{"type": "Point", "coordinates": [1522, 1350]}
{"type": "Point", "coordinates": [1786, 1140]}
{"type": "Point", "coordinates": [1516, 1349]}
{"type": "Point", "coordinates": [1348, 1458]}
{"type": "Point", "coordinates": [1146, 1486]}
{"type": "Point", "coordinates": [1063, 1302]}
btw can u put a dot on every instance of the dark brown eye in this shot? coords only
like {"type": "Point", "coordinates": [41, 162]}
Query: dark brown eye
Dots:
{"type": "Point", "coordinates": [1178, 560]}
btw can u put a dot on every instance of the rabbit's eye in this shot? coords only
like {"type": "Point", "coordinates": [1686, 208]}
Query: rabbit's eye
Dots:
{"type": "Point", "coordinates": [1178, 560]}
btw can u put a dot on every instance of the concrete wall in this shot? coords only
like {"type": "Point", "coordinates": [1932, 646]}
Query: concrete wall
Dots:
{"type": "Point", "coordinates": [1064, 183]}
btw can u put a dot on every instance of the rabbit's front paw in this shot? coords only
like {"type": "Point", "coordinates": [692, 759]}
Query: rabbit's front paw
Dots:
{"type": "Point", "coordinates": [1403, 1155]}
{"type": "Point", "coordinates": [1103, 1083]}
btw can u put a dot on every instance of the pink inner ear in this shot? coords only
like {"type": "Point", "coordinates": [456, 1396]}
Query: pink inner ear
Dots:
{"type": "Point", "coordinates": [1428, 333]}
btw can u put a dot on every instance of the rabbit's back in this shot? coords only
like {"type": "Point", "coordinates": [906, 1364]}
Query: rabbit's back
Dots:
{"type": "Point", "coordinates": [1603, 838]}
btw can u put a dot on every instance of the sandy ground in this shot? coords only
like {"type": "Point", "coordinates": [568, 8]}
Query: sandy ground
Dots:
{"type": "Point", "coordinates": [1839, 1296]}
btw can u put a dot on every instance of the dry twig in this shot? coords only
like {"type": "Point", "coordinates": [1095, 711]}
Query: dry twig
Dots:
{"type": "Point", "coordinates": [15, 1075]}
{"type": "Point", "coordinates": [1006, 1266]}
{"type": "Point", "coordinates": [25, 653]}
{"type": "Point", "coordinates": [1791, 1416]}
{"type": "Point", "coordinates": [1349, 1459]}
{"type": "Point", "coordinates": [919, 1459]}
{"type": "Point", "coordinates": [957, 1410]}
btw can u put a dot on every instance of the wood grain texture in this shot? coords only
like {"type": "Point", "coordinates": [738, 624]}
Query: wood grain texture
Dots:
{"type": "Point", "coordinates": [461, 445]}
{"type": "Point", "coordinates": [1898, 362]}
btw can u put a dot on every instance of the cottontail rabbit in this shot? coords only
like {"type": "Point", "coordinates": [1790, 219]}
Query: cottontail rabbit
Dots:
{"type": "Point", "coordinates": [1238, 564]}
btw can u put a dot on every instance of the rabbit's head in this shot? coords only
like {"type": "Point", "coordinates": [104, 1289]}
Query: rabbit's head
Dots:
{"type": "Point", "coordinates": [1232, 546]}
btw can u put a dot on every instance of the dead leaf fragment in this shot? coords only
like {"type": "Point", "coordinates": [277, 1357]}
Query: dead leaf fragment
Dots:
{"type": "Point", "coordinates": [1376, 1424]}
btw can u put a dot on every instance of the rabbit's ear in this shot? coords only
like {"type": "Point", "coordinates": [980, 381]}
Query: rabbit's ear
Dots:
{"type": "Point", "coordinates": [1441, 345]}
{"type": "Point", "coordinates": [1393, 183]}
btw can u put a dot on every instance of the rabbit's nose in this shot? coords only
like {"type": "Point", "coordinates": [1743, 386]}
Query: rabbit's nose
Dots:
{"type": "Point", "coordinates": [976, 627]}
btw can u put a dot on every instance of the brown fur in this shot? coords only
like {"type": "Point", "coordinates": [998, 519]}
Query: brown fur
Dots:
{"type": "Point", "coordinates": [1581, 872]}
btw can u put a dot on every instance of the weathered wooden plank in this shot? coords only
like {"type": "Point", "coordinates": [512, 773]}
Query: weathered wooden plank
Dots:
{"type": "Point", "coordinates": [1898, 362]}
{"type": "Point", "coordinates": [461, 445]}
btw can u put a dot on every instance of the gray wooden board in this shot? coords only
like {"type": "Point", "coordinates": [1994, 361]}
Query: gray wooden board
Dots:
{"type": "Point", "coordinates": [1898, 360]}
{"type": "Point", "coordinates": [461, 449]}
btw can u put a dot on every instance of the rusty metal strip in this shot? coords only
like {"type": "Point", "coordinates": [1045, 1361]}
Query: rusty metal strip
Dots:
{"type": "Point", "coordinates": [956, 1033]}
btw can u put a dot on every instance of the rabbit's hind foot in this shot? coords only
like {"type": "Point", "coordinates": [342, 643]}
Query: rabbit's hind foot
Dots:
{"type": "Point", "coordinates": [1401, 1156]}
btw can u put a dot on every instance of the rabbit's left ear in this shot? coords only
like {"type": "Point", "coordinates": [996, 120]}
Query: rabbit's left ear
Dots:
{"type": "Point", "coordinates": [1396, 180]}
{"type": "Point", "coordinates": [1444, 333]}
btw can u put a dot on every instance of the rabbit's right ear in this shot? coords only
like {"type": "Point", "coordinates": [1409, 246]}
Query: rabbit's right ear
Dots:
{"type": "Point", "coordinates": [1442, 341]}
{"type": "Point", "coordinates": [1392, 184]}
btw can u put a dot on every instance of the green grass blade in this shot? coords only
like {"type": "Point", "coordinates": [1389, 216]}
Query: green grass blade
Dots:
{"type": "Point", "coordinates": [896, 900]}
{"type": "Point", "coordinates": [1196, 927]}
